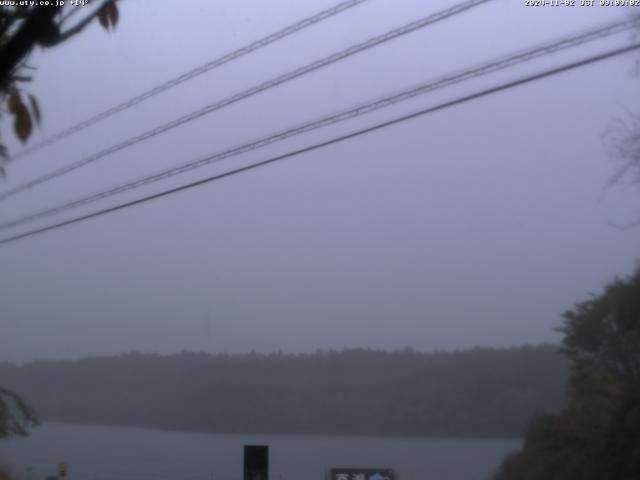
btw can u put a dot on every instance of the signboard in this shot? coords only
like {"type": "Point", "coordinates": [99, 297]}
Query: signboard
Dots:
{"type": "Point", "coordinates": [62, 469]}
{"type": "Point", "coordinates": [256, 462]}
{"type": "Point", "coordinates": [362, 474]}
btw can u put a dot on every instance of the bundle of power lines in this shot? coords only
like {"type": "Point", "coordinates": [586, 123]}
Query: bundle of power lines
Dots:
{"type": "Point", "coordinates": [485, 68]}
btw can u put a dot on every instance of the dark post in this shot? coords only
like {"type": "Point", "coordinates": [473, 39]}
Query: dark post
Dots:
{"type": "Point", "coordinates": [256, 462]}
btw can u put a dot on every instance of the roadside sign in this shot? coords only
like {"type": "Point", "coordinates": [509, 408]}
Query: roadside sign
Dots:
{"type": "Point", "coordinates": [362, 474]}
{"type": "Point", "coordinates": [256, 462]}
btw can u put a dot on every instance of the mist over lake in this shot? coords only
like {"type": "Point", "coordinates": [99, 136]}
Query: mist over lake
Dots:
{"type": "Point", "coordinates": [118, 453]}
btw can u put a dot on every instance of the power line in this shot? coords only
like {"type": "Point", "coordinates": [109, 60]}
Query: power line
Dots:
{"type": "Point", "coordinates": [218, 62]}
{"type": "Point", "coordinates": [442, 106]}
{"type": "Point", "coordinates": [484, 69]}
{"type": "Point", "coordinates": [298, 72]}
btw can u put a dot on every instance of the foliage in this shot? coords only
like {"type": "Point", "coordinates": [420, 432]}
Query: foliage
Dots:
{"type": "Point", "coordinates": [479, 392]}
{"type": "Point", "coordinates": [15, 415]}
{"type": "Point", "coordinates": [23, 28]}
{"type": "Point", "coordinates": [598, 434]}
{"type": "Point", "coordinates": [623, 139]}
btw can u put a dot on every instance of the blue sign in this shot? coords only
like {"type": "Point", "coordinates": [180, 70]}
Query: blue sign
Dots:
{"type": "Point", "coordinates": [362, 474]}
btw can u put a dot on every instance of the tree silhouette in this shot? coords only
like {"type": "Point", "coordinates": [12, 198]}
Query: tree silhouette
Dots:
{"type": "Point", "coordinates": [15, 415]}
{"type": "Point", "coordinates": [23, 28]}
{"type": "Point", "coordinates": [598, 434]}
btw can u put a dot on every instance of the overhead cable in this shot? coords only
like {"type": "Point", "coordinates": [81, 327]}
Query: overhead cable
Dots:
{"type": "Point", "coordinates": [362, 109]}
{"type": "Point", "coordinates": [442, 106]}
{"type": "Point", "coordinates": [211, 65]}
{"type": "Point", "coordinates": [298, 72]}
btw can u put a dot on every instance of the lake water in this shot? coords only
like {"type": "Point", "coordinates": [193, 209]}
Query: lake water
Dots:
{"type": "Point", "coordinates": [117, 453]}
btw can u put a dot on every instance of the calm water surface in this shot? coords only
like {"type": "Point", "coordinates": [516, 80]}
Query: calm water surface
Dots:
{"type": "Point", "coordinates": [117, 453]}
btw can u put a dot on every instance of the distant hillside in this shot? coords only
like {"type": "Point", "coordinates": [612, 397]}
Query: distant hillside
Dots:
{"type": "Point", "coordinates": [479, 392]}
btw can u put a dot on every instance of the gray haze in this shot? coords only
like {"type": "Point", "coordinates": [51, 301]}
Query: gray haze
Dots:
{"type": "Point", "coordinates": [477, 225]}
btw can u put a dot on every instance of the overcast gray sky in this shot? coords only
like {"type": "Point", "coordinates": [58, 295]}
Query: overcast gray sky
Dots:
{"type": "Point", "coordinates": [476, 225]}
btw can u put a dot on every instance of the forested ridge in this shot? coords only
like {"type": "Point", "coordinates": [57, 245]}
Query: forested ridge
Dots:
{"type": "Point", "coordinates": [478, 392]}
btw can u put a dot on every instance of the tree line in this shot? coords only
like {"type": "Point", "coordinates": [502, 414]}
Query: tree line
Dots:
{"type": "Point", "coordinates": [477, 392]}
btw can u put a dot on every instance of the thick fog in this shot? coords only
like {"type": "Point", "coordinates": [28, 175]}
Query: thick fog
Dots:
{"type": "Point", "coordinates": [476, 225]}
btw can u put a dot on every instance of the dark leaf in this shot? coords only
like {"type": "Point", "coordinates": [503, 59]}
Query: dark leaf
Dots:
{"type": "Point", "coordinates": [103, 17]}
{"type": "Point", "coordinates": [22, 123]}
{"type": "Point", "coordinates": [35, 109]}
{"type": "Point", "coordinates": [13, 102]}
{"type": "Point", "coordinates": [112, 11]}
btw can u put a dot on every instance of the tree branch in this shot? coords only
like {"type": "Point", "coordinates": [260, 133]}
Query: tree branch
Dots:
{"type": "Point", "coordinates": [79, 27]}
{"type": "Point", "coordinates": [35, 28]}
{"type": "Point", "coordinates": [10, 423]}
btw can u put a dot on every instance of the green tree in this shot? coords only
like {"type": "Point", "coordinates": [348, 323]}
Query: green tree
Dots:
{"type": "Point", "coordinates": [598, 434]}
